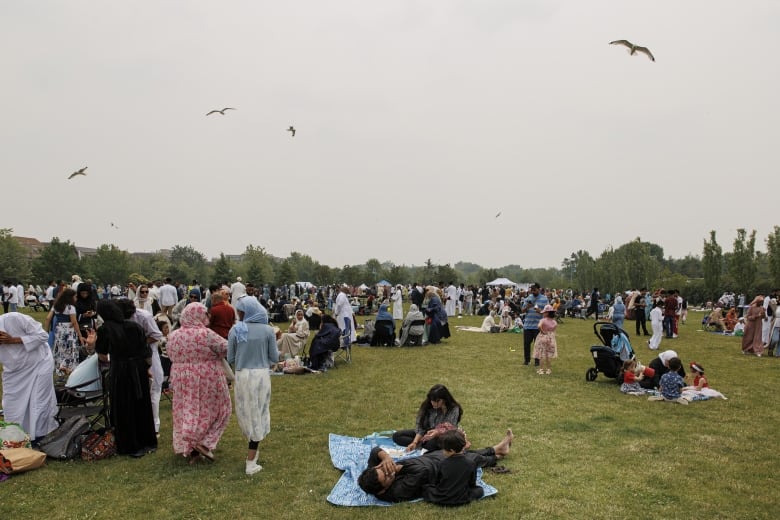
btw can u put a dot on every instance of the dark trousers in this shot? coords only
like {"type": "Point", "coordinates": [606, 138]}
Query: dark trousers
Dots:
{"type": "Point", "coordinates": [405, 438]}
{"type": "Point", "coordinates": [641, 321]}
{"type": "Point", "coordinates": [669, 326]}
{"type": "Point", "coordinates": [529, 335]}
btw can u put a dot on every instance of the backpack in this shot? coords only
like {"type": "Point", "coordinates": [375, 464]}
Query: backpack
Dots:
{"type": "Point", "coordinates": [65, 442]}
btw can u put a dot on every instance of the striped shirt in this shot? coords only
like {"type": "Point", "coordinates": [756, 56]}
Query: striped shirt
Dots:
{"type": "Point", "coordinates": [532, 317]}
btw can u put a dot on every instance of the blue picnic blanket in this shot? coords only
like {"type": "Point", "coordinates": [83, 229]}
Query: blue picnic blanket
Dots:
{"type": "Point", "coordinates": [350, 454]}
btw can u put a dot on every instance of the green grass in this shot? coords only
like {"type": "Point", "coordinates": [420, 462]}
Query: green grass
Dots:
{"type": "Point", "coordinates": [582, 450]}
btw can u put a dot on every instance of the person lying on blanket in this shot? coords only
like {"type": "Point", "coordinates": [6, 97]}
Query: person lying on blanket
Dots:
{"type": "Point", "coordinates": [406, 480]}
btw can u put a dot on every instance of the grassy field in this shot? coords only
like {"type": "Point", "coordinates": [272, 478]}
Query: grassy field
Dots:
{"type": "Point", "coordinates": [582, 449]}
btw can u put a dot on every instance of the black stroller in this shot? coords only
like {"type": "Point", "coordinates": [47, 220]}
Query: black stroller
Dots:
{"type": "Point", "coordinates": [610, 355]}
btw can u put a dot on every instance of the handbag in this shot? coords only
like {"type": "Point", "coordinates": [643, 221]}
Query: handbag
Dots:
{"type": "Point", "coordinates": [229, 375]}
{"type": "Point", "coordinates": [16, 460]}
{"type": "Point", "coordinates": [98, 446]}
{"type": "Point", "coordinates": [65, 442]}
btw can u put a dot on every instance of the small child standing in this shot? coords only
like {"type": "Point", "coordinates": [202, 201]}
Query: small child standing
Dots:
{"type": "Point", "coordinates": [545, 346]}
{"type": "Point", "coordinates": [455, 482]}
{"type": "Point", "coordinates": [672, 383]}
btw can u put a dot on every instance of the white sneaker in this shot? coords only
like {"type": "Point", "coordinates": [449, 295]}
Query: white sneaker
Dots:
{"type": "Point", "coordinates": [252, 467]}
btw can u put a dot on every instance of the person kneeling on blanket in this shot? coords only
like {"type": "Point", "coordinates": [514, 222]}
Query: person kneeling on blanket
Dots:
{"type": "Point", "coordinates": [407, 480]}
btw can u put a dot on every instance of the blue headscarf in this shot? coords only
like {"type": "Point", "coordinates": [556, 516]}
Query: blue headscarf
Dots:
{"type": "Point", "coordinates": [253, 313]}
{"type": "Point", "coordinates": [383, 314]}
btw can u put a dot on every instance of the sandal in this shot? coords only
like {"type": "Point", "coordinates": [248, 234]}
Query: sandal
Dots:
{"type": "Point", "coordinates": [500, 469]}
{"type": "Point", "coordinates": [205, 452]}
{"type": "Point", "coordinates": [540, 372]}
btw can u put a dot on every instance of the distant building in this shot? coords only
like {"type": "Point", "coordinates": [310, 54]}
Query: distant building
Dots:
{"type": "Point", "coordinates": [33, 246]}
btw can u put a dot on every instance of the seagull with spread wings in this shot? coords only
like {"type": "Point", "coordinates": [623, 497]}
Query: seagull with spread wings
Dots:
{"type": "Point", "coordinates": [78, 172]}
{"type": "Point", "coordinates": [633, 49]}
{"type": "Point", "coordinates": [291, 129]}
{"type": "Point", "coordinates": [220, 111]}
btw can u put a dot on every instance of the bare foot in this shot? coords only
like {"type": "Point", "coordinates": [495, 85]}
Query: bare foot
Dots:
{"type": "Point", "coordinates": [502, 448]}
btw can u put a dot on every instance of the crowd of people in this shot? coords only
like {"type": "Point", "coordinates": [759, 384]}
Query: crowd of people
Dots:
{"type": "Point", "coordinates": [217, 336]}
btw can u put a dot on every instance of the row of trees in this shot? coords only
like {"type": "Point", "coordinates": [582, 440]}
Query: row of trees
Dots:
{"type": "Point", "coordinates": [633, 265]}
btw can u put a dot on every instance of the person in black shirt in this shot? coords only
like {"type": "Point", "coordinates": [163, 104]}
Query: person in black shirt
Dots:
{"type": "Point", "coordinates": [406, 480]}
{"type": "Point", "coordinates": [455, 482]}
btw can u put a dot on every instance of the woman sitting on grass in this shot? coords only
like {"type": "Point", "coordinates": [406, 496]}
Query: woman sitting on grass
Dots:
{"type": "Point", "coordinates": [489, 322]}
{"type": "Point", "coordinates": [438, 408]}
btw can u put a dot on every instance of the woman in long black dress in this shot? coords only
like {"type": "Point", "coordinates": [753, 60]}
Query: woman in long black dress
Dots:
{"type": "Point", "coordinates": [128, 380]}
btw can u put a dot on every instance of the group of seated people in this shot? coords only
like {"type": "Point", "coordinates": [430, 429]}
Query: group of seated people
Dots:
{"type": "Point", "coordinates": [381, 332]}
{"type": "Point", "coordinates": [729, 324]}
{"type": "Point", "coordinates": [446, 473]}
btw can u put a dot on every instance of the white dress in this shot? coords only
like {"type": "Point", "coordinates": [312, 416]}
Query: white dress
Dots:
{"type": "Point", "coordinates": [398, 306]}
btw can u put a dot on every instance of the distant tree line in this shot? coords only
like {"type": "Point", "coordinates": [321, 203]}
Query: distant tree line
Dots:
{"type": "Point", "coordinates": [632, 265]}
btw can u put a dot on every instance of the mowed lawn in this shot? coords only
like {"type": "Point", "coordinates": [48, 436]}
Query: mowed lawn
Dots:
{"type": "Point", "coordinates": [581, 449]}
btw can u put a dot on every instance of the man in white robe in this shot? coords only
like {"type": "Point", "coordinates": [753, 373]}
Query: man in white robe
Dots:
{"type": "Point", "coordinates": [28, 365]}
{"type": "Point", "coordinates": [237, 290]}
{"type": "Point", "coordinates": [398, 303]}
{"type": "Point", "coordinates": [19, 295]}
{"type": "Point", "coordinates": [452, 297]}
{"type": "Point", "coordinates": [342, 309]}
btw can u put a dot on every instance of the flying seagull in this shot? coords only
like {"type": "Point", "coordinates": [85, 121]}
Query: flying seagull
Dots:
{"type": "Point", "coordinates": [220, 111]}
{"type": "Point", "coordinates": [113, 226]}
{"type": "Point", "coordinates": [291, 129]}
{"type": "Point", "coordinates": [633, 49]}
{"type": "Point", "coordinates": [79, 172]}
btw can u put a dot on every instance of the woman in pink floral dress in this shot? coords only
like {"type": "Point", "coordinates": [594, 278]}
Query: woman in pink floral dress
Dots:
{"type": "Point", "coordinates": [201, 399]}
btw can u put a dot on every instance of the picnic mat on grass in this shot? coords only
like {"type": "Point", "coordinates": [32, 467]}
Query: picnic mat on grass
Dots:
{"type": "Point", "coordinates": [350, 454]}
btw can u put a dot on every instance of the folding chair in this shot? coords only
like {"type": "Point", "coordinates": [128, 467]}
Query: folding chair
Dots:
{"type": "Point", "coordinates": [415, 340]}
{"type": "Point", "coordinates": [344, 352]}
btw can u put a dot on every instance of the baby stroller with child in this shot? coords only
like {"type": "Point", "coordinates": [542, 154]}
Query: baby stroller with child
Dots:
{"type": "Point", "coordinates": [610, 355]}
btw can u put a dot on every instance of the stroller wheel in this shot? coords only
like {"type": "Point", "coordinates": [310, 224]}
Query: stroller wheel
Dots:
{"type": "Point", "coordinates": [591, 374]}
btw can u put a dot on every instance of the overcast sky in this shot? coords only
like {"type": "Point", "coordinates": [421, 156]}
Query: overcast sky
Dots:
{"type": "Point", "coordinates": [417, 122]}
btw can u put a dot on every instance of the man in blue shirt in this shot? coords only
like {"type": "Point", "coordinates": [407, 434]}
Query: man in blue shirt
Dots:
{"type": "Point", "coordinates": [532, 306]}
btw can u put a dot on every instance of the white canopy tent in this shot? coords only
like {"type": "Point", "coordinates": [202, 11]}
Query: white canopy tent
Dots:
{"type": "Point", "coordinates": [502, 281]}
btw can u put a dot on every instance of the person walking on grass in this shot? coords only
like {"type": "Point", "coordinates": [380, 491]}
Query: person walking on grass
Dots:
{"type": "Point", "coordinates": [657, 325]}
{"type": "Point", "coordinates": [252, 350]}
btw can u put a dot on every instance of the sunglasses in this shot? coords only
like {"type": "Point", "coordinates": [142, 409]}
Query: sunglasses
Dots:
{"type": "Point", "coordinates": [193, 297]}
{"type": "Point", "coordinates": [144, 292]}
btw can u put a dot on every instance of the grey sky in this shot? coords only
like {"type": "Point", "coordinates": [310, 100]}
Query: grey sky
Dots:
{"type": "Point", "coordinates": [417, 122]}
